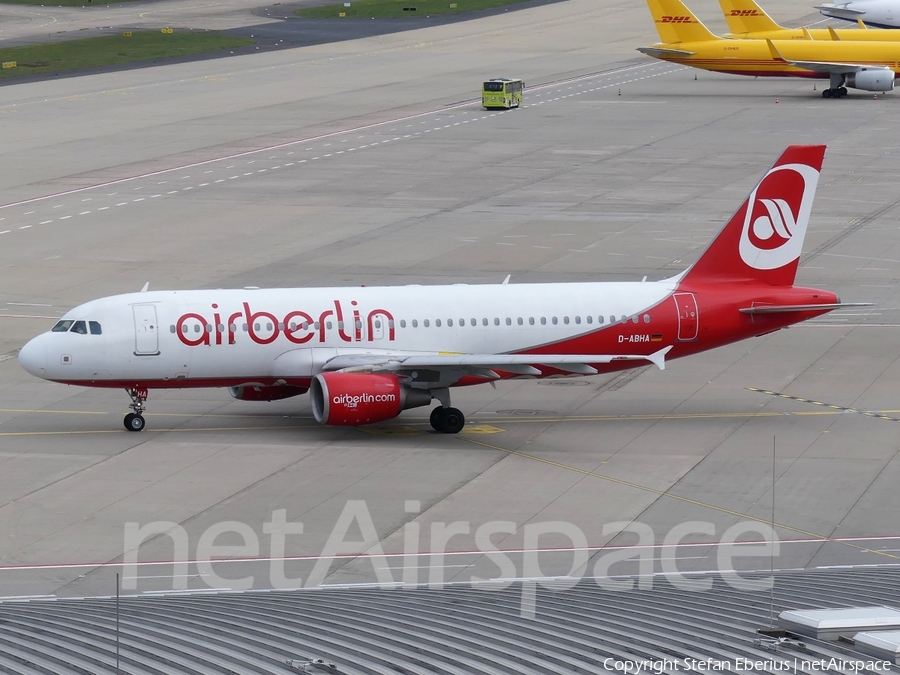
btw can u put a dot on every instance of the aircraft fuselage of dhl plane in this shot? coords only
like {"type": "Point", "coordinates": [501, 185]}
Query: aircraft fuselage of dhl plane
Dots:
{"type": "Point", "coordinates": [869, 66]}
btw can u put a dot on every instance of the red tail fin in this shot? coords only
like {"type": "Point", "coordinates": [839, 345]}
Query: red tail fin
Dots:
{"type": "Point", "coordinates": [762, 242]}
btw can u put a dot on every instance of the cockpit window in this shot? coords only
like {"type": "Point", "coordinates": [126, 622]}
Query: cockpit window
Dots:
{"type": "Point", "coordinates": [62, 326]}
{"type": "Point", "coordinates": [95, 328]}
{"type": "Point", "coordinates": [79, 327]}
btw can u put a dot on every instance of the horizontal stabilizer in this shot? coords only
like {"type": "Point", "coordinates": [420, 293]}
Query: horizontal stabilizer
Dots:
{"type": "Point", "coordinates": [779, 309]}
{"type": "Point", "coordinates": [660, 53]}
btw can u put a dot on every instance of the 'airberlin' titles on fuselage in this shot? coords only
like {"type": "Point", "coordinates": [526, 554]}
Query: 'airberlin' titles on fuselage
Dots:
{"type": "Point", "coordinates": [297, 326]}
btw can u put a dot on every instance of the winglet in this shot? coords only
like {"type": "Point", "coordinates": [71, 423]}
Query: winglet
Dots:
{"type": "Point", "coordinates": [773, 50]}
{"type": "Point", "coordinates": [833, 33]}
{"type": "Point", "coordinates": [506, 280]}
{"type": "Point", "coordinates": [808, 36]}
{"type": "Point", "coordinates": [862, 25]}
{"type": "Point", "coordinates": [658, 358]}
{"type": "Point", "coordinates": [146, 286]}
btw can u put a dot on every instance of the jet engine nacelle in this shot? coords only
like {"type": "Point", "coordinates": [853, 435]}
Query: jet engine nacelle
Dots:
{"type": "Point", "coordinates": [350, 399]}
{"type": "Point", "coordinates": [249, 392]}
{"type": "Point", "coordinates": [872, 79]}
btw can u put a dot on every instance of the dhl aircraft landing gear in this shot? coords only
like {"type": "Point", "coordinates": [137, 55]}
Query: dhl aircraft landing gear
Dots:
{"type": "Point", "coordinates": [837, 88]}
{"type": "Point", "coordinates": [445, 419]}
{"type": "Point", "coordinates": [135, 421]}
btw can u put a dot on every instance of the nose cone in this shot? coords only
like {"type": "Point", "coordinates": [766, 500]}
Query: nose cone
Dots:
{"type": "Point", "coordinates": [33, 357]}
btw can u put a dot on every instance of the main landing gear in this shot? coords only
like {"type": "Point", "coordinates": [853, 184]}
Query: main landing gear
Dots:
{"type": "Point", "coordinates": [135, 421]}
{"type": "Point", "coordinates": [836, 87]}
{"type": "Point", "coordinates": [447, 420]}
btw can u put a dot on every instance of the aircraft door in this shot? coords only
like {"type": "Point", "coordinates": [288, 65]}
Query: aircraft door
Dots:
{"type": "Point", "coordinates": [688, 317]}
{"type": "Point", "coordinates": [146, 330]}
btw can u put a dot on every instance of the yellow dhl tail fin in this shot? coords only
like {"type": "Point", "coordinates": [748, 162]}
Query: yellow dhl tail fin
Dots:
{"type": "Point", "coordinates": [745, 16]}
{"type": "Point", "coordinates": [676, 23]}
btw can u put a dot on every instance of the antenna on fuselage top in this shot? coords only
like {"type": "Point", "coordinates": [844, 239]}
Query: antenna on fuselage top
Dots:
{"type": "Point", "coordinates": [506, 280]}
{"type": "Point", "coordinates": [146, 286]}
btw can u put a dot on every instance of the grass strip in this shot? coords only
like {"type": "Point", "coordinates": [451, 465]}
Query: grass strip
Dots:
{"type": "Point", "coordinates": [110, 50]}
{"type": "Point", "coordinates": [61, 3]}
{"type": "Point", "coordinates": [392, 9]}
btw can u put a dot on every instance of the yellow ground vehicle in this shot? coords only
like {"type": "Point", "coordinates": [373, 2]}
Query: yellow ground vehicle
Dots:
{"type": "Point", "coordinates": [502, 92]}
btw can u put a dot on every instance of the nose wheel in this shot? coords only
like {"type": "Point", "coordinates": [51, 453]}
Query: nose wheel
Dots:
{"type": "Point", "coordinates": [447, 420]}
{"type": "Point", "coordinates": [135, 421]}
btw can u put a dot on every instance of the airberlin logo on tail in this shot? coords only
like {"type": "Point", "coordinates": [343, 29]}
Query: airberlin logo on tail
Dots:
{"type": "Point", "coordinates": [777, 216]}
{"type": "Point", "coordinates": [676, 19]}
{"type": "Point", "coordinates": [745, 12]}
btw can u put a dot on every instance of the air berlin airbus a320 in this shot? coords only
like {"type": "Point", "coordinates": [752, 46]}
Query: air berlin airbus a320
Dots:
{"type": "Point", "coordinates": [366, 354]}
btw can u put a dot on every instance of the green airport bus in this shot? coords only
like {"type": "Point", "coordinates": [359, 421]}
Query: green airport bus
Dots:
{"type": "Point", "coordinates": [502, 92]}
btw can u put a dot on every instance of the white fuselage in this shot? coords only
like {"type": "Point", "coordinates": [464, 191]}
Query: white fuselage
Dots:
{"type": "Point", "coordinates": [226, 337]}
{"type": "Point", "coordinates": [875, 13]}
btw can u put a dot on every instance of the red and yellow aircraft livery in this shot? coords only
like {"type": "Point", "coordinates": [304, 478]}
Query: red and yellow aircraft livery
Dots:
{"type": "Point", "coordinates": [870, 66]}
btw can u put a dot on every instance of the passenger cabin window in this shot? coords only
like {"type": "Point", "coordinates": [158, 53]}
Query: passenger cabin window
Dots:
{"type": "Point", "coordinates": [95, 328]}
{"type": "Point", "coordinates": [79, 327]}
{"type": "Point", "coordinates": [402, 323]}
{"type": "Point", "coordinates": [62, 326]}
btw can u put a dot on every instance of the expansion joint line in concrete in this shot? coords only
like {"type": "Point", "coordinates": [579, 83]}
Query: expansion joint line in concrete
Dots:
{"type": "Point", "coordinates": [669, 495]}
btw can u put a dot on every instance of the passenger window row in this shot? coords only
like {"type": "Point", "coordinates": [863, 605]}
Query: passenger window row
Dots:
{"type": "Point", "coordinates": [80, 327]}
{"type": "Point", "coordinates": [520, 321]}
{"type": "Point", "coordinates": [414, 323]}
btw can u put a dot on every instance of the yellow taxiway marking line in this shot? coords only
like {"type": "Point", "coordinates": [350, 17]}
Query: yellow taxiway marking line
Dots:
{"type": "Point", "coordinates": [666, 493]}
{"type": "Point", "coordinates": [58, 412]}
{"type": "Point", "coordinates": [178, 430]}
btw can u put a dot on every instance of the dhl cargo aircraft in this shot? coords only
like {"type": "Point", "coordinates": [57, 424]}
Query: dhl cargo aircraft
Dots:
{"type": "Point", "coordinates": [366, 354]}
{"type": "Point", "coordinates": [880, 13]}
{"type": "Point", "coordinates": [870, 66]}
{"type": "Point", "coordinates": [746, 19]}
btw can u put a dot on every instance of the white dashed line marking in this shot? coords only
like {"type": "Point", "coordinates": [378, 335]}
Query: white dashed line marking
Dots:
{"type": "Point", "coordinates": [580, 87]}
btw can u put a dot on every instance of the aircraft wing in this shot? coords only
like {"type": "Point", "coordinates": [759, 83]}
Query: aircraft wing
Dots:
{"type": "Point", "coordinates": [826, 67]}
{"type": "Point", "coordinates": [523, 364]}
{"type": "Point", "coordinates": [840, 12]}
{"type": "Point", "coordinates": [816, 66]}
{"type": "Point", "coordinates": [661, 52]}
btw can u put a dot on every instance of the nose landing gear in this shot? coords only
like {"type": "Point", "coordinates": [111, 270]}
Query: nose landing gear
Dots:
{"type": "Point", "coordinates": [135, 421]}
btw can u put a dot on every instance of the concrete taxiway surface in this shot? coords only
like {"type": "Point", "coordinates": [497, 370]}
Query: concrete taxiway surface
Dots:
{"type": "Point", "coordinates": [371, 161]}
